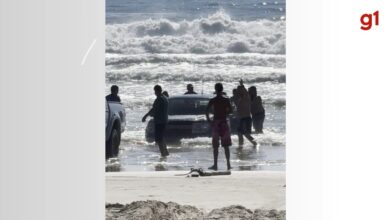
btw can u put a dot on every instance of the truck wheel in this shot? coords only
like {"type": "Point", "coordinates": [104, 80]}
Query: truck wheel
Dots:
{"type": "Point", "coordinates": [112, 145]}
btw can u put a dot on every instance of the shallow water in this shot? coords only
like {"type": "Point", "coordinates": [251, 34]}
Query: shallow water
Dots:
{"type": "Point", "coordinates": [173, 43]}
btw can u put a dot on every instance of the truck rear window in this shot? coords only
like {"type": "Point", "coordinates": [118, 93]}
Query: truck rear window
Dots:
{"type": "Point", "coordinates": [187, 106]}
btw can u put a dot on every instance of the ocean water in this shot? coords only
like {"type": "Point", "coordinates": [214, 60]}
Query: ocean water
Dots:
{"type": "Point", "coordinates": [176, 42]}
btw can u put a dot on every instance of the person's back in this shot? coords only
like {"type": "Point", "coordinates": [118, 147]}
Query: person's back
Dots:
{"type": "Point", "coordinates": [244, 103]}
{"type": "Point", "coordinates": [160, 110]}
{"type": "Point", "coordinates": [221, 106]}
{"type": "Point", "coordinates": [257, 106]}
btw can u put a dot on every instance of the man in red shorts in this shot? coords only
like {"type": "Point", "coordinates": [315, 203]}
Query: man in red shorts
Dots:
{"type": "Point", "coordinates": [220, 128]}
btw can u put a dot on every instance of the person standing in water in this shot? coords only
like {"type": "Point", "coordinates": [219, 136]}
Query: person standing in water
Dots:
{"type": "Point", "coordinates": [257, 110]}
{"type": "Point", "coordinates": [220, 128]}
{"type": "Point", "coordinates": [159, 112]}
{"type": "Point", "coordinates": [113, 97]}
{"type": "Point", "coordinates": [190, 90]}
{"type": "Point", "coordinates": [234, 98]}
{"type": "Point", "coordinates": [234, 121]}
{"type": "Point", "coordinates": [244, 115]}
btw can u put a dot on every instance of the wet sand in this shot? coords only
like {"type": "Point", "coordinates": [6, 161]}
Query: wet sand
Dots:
{"type": "Point", "coordinates": [253, 190]}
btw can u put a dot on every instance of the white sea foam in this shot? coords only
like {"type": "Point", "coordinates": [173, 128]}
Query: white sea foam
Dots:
{"type": "Point", "coordinates": [245, 59]}
{"type": "Point", "coordinates": [179, 73]}
{"type": "Point", "coordinates": [214, 34]}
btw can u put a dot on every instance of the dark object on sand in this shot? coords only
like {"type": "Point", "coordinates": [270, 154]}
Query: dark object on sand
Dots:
{"type": "Point", "coordinates": [217, 173]}
{"type": "Point", "coordinates": [199, 172]}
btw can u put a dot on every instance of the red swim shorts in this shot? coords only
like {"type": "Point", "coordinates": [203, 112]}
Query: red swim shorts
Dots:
{"type": "Point", "coordinates": [220, 129]}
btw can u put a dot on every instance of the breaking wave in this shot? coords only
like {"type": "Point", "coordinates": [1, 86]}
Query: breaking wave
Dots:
{"type": "Point", "coordinates": [217, 33]}
{"type": "Point", "coordinates": [193, 77]}
{"type": "Point", "coordinates": [246, 59]}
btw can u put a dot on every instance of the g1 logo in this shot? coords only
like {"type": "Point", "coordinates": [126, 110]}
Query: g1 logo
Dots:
{"type": "Point", "coordinates": [367, 19]}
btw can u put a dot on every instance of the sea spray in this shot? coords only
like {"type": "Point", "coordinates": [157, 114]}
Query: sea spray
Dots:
{"type": "Point", "coordinates": [214, 34]}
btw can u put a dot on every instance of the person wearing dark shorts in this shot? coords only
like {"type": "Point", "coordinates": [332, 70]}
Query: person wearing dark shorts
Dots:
{"type": "Point", "coordinates": [159, 130]}
{"type": "Point", "coordinates": [159, 112]}
{"type": "Point", "coordinates": [245, 128]}
{"type": "Point", "coordinates": [244, 113]}
{"type": "Point", "coordinates": [220, 127]}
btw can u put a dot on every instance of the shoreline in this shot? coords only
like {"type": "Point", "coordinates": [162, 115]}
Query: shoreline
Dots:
{"type": "Point", "coordinates": [251, 189]}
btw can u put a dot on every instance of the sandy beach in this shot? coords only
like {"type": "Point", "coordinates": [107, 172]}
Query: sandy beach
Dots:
{"type": "Point", "coordinates": [251, 189]}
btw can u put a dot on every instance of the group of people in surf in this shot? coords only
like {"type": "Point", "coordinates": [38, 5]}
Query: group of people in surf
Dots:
{"type": "Point", "coordinates": [245, 103]}
{"type": "Point", "coordinates": [249, 108]}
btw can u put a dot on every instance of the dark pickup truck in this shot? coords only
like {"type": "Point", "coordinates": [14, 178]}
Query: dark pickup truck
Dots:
{"type": "Point", "coordinates": [186, 119]}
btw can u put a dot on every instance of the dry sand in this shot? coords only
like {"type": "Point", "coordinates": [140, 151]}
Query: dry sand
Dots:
{"type": "Point", "coordinates": [249, 194]}
{"type": "Point", "coordinates": [156, 210]}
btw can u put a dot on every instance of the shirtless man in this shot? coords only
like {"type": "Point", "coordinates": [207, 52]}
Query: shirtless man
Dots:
{"type": "Point", "coordinates": [220, 128]}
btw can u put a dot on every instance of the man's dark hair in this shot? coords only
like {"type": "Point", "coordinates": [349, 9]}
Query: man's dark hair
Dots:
{"type": "Point", "coordinates": [114, 89]}
{"type": "Point", "coordinates": [158, 88]}
{"type": "Point", "coordinates": [218, 87]}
